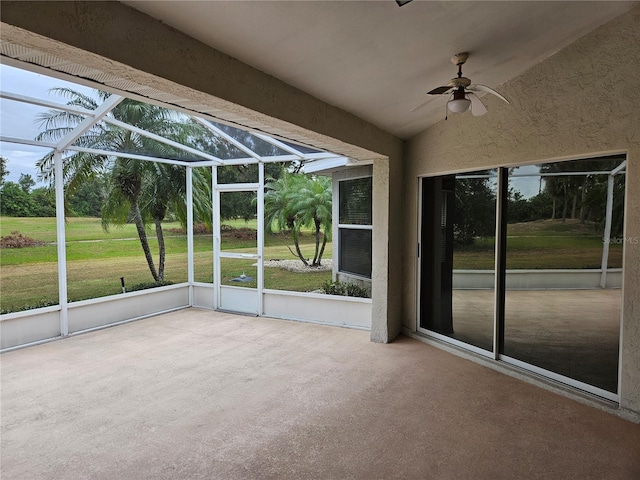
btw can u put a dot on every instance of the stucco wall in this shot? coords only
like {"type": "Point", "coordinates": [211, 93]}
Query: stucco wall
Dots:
{"type": "Point", "coordinates": [580, 102]}
{"type": "Point", "coordinates": [111, 37]}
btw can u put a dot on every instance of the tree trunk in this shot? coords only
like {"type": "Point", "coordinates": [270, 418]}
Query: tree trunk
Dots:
{"type": "Point", "coordinates": [294, 234]}
{"type": "Point", "coordinates": [161, 248]}
{"type": "Point", "coordinates": [565, 207]}
{"type": "Point", "coordinates": [315, 262]}
{"type": "Point", "coordinates": [324, 244]}
{"type": "Point", "coordinates": [573, 207]}
{"type": "Point", "coordinates": [583, 199]}
{"type": "Point", "coordinates": [553, 212]}
{"type": "Point", "coordinates": [142, 235]}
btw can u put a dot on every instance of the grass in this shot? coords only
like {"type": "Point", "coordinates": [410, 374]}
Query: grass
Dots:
{"type": "Point", "coordinates": [97, 259]}
{"type": "Point", "coordinates": [543, 244]}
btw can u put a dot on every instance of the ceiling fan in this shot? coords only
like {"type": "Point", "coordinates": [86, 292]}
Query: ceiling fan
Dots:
{"type": "Point", "coordinates": [462, 93]}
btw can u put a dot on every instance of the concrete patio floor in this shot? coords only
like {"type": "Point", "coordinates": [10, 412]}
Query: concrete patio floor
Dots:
{"type": "Point", "coordinates": [198, 394]}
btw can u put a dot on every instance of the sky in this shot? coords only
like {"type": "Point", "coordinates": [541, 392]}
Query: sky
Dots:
{"type": "Point", "coordinates": [20, 120]}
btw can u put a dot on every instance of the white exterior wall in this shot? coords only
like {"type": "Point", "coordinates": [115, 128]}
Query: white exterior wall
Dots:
{"type": "Point", "coordinates": [33, 326]}
{"type": "Point", "coordinates": [318, 308]}
{"type": "Point", "coordinates": [99, 312]}
{"type": "Point", "coordinates": [572, 105]}
{"type": "Point", "coordinates": [23, 328]}
{"type": "Point", "coordinates": [203, 294]}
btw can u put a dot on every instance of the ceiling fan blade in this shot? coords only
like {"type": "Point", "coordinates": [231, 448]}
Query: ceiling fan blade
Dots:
{"type": "Point", "coordinates": [484, 88]}
{"type": "Point", "coordinates": [440, 90]}
{"type": "Point", "coordinates": [477, 107]}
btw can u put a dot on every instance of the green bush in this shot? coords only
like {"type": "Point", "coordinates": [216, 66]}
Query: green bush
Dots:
{"type": "Point", "coordinates": [345, 288]}
{"type": "Point", "coordinates": [31, 306]}
{"type": "Point", "coordinates": [147, 285]}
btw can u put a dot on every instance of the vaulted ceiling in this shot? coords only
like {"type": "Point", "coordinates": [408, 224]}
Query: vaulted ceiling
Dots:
{"type": "Point", "coordinates": [377, 60]}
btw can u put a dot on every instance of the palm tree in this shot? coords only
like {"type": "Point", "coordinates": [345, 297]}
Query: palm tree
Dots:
{"type": "Point", "coordinates": [312, 202]}
{"type": "Point", "coordinates": [279, 211]}
{"type": "Point", "coordinates": [138, 191]}
{"type": "Point", "coordinates": [294, 201]}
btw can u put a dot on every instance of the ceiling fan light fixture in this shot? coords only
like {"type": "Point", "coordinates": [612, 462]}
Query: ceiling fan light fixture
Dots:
{"type": "Point", "coordinates": [458, 105]}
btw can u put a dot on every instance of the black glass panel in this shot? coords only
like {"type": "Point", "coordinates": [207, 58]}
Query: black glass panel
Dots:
{"type": "Point", "coordinates": [355, 201]}
{"type": "Point", "coordinates": [458, 229]}
{"type": "Point", "coordinates": [355, 252]}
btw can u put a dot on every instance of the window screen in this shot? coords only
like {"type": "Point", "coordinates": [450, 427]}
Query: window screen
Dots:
{"type": "Point", "coordinates": [355, 202]}
{"type": "Point", "coordinates": [355, 252]}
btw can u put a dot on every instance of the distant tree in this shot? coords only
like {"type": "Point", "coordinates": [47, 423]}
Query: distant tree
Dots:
{"type": "Point", "coordinates": [474, 198]}
{"type": "Point", "coordinates": [518, 208]}
{"type": "Point", "coordinates": [3, 169]}
{"type": "Point", "coordinates": [44, 200]}
{"type": "Point", "coordinates": [540, 206]}
{"type": "Point", "coordinates": [15, 202]}
{"type": "Point", "coordinates": [581, 196]}
{"type": "Point", "coordinates": [235, 204]}
{"type": "Point", "coordinates": [88, 198]}
{"type": "Point", "coordinates": [26, 182]}
{"type": "Point", "coordinates": [596, 201]}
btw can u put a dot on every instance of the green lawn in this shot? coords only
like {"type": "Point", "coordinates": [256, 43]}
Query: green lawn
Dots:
{"type": "Point", "coordinates": [96, 260]}
{"type": "Point", "coordinates": [544, 244]}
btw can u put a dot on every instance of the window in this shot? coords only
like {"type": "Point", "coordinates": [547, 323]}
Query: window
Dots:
{"type": "Point", "coordinates": [355, 226]}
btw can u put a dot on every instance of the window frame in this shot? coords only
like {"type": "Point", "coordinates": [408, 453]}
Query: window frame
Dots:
{"type": "Point", "coordinates": [350, 226]}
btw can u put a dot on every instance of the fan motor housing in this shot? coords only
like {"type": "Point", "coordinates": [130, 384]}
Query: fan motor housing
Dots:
{"type": "Point", "coordinates": [459, 82]}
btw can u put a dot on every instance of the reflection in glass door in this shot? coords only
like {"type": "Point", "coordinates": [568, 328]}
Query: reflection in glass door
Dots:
{"type": "Point", "coordinates": [549, 290]}
{"type": "Point", "coordinates": [557, 315]}
{"type": "Point", "coordinates": [457, 260]}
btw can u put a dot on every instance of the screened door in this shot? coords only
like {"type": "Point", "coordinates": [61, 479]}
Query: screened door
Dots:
{"type": "Point", "coordinates": [238, 246]}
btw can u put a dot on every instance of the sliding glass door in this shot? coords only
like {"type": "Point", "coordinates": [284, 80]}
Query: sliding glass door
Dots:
{"type": "Point", "coordinates": [557, 268]}
{"type": "Point", "coordinates": [458, 242]}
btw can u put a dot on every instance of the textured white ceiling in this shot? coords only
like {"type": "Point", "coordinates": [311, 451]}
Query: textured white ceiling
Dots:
{"type": "Point", "coordinates": [377, 60]}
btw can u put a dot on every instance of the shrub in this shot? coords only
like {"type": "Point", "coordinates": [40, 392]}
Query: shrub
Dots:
{"type": "Point", "coordinates": [198, 229]}
{"type": "Point", "coordinates": [17, 240]}
{"type": "Point", "coordinates": [239, 233]}
{"type": "Point", "coordinates": [147, 285]}
{"type": "Point", "coordinates": [345, 288]}
{"type": "Point", "coordinates": [31, 306]}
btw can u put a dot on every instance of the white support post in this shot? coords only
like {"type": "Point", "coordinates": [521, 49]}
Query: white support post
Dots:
{"type": "Point", "coordinates": [215, 212]}
{"type": "Point", "coordinates": [606, 237]}
{"type": "Point", "coordinates": [190, 273]}
{"type": "Point", "coordinates": [260, 237]}
{"type": "Point", "coordinates": [61, 241]}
